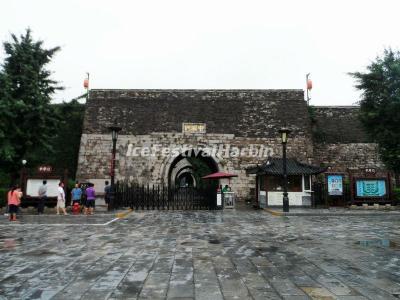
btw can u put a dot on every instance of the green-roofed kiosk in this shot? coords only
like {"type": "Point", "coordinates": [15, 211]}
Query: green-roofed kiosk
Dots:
{"type": "Point", "coordinates": [269, 182]}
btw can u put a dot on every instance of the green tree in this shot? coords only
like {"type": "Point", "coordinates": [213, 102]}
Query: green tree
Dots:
{"type": "Point", "coordinates": [380, 106]}
{"type": "Point", "coordinates": [27, 119]}
{"type": "Point", "coordinates": [200, 169]}
{"type": "Point", "coordinates": [67, 136]}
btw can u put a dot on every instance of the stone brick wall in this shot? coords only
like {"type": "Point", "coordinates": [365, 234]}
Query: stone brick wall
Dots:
{"type": "Point", "coordinates": [340, 156]}
{"type": "Point", "coordinates": [338, 124]}
{"type": "Point", "coordinates": [246, 113]}
{"type": "Point", "coordinates": [340, 141]}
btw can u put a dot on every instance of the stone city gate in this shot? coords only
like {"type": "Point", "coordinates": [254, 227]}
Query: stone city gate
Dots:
{"type": "Point", "coordinates": [185, 189]}
{"type": "Point", "coordinates": [221, 119]}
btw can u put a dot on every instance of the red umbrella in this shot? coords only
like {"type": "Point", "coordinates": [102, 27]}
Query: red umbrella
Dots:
{"type": "Point", "coordinates": [219, 175]}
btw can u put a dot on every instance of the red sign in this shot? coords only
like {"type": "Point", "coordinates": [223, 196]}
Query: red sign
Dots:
{"type": "Point", "coordinates": [45, 169]}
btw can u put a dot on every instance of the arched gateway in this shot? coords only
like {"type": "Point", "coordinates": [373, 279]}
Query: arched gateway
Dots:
{"type": "Point", "coordinates": [187, 168]}
{"type": "Point", "coordinates": [237, 128]}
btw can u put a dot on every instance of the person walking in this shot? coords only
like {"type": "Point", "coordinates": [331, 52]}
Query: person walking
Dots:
{"type": "Point", "coordinates": [107, 193]}
{"type": "Point", "coordinates": [61, 199]}
{"type": "Point", "coordinates": [42, 192]}
{"type": "Point", "coordinates": [14, 200]}
{"type": "Point", "coordinates": [90, 199]}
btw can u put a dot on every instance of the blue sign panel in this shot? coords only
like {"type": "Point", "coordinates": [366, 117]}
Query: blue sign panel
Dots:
{"type": "Point", "coordinates": [335, 185]}
{"type": "Point", "coordinates": [371, 188]}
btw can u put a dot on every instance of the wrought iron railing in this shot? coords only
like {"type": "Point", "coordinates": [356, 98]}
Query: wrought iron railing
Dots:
{"type": "Point", "coordinates": [161, 197]}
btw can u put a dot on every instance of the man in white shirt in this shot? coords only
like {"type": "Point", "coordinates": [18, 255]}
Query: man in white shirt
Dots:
{"type": "Point", "coordinates": [61, 199]}
{"type": "Point", "coordinates": [42, 193]}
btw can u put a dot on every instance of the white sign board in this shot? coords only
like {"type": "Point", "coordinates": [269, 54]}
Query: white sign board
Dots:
{"type": "Point", "coordinates": [219, 199]}
{"type": "Point", "coordinates": [32, 187]}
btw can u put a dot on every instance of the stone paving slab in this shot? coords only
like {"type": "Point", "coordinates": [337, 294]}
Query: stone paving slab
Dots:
{"type": "Point", "coordinates": [61, 220]}
{"type": "Point", "coordinates": [201, 255]}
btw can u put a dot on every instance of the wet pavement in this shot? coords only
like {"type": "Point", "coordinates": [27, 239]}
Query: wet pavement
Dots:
{"type": "Point", "coordinates": [200, 255]}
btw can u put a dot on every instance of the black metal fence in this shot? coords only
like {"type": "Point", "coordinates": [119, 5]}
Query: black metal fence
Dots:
{"type": "Point", "coordinates": [161, 197]}
{"type": "Point", "coordinates": [320, 197]}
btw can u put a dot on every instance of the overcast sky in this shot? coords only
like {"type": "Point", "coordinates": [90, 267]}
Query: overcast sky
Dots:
{"type": "Point", "coordinates": [209, 44]}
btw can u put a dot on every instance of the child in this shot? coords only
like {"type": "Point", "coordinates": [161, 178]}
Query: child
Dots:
{"type": "Point", "coordinates": [14, 200]}
{"type": "Point", "coordinates": [76, 194]}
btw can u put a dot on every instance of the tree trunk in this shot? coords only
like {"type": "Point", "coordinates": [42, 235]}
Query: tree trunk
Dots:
{"type": "Point", "coordinates": [397, 179]}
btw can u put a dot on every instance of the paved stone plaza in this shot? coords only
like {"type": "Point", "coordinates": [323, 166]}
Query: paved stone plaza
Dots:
{"type": "Point", "coordinates": [201, 255]}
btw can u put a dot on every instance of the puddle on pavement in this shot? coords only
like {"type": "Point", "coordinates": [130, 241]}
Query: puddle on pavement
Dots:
{"type": "Point", "coordinates": [189, 243]}
{"type": "Point", "coordinates": [378, 243]}
{"type": "Point", "coordinates": [214, 241]}
{"type": "Point", "coordinates": [271, 249]}
{"type": "Point", "coordinates": [39, 253]}
{"type": "Point", "coordinates": [9, 244]}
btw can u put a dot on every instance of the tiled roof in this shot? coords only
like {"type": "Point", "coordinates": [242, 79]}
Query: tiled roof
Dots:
{"type": "Point", "coordinates": [274, 166]}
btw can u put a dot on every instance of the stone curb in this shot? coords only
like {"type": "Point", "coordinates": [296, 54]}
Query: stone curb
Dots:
{"type": "Point", "coordinates": [273, 212]}
{"type": "Point", "coordinates": [122, 215]}
{"type": "Point", "coordinates": [367, 214]}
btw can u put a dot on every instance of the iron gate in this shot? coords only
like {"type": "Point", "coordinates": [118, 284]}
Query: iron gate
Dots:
{"type": "Point", "coordinates": [161, 197]}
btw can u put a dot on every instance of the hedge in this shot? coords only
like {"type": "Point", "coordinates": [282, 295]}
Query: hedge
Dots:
{"type": "Point", "coordinates": [3, 197]}
{"type": "Point", "coordinates": [396, 193]}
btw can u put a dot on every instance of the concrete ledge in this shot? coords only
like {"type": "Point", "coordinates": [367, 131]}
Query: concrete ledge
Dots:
{"type": "Point", "coordinates": [375, 206]}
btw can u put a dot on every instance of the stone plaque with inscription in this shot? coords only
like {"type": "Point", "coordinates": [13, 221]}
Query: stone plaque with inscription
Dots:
{"type": "Point", "coordinates": [194, 128]}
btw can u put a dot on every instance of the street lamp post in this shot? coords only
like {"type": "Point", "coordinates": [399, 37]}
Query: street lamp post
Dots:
{"type": "Point", "coordinates": [23, 175]}
{"type": "Point", "coordinates": [115, 129]}
{"type": "Point", "coordinates": [284, 136]}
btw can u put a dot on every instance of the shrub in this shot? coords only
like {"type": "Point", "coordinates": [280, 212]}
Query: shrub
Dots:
{"type": "Point", "coordinates": [5, 180]}
{"type": "Point", "coordinates": [3, 197]}
{"type": "Point", "coordinates": [396, 194]}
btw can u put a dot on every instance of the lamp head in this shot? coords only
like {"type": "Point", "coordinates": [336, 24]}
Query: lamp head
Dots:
{"type": "Point", "coordinates": [114, 131]}
{"type": "Point", "coordinates": [284, 134]}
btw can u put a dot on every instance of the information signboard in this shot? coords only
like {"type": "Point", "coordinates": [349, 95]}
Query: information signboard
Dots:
{"type": "Point", "coordinates": [370, 187]}
{"type": "Point", "coordinates": [335, 185]}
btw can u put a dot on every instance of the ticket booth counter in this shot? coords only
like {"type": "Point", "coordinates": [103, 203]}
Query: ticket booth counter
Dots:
{"type": "Point", "coordinates": [229, 199]}
{"type": "Point", "coordinates": [225, 198]}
